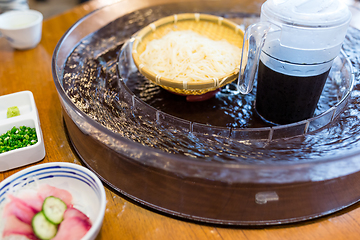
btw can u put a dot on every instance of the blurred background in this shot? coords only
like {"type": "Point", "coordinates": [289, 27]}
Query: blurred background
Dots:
{"type": "Point", "coordinates": [51, 8]}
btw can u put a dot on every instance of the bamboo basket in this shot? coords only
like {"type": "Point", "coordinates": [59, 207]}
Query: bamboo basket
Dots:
{"type": "Point", "coordinates": [213, 27]}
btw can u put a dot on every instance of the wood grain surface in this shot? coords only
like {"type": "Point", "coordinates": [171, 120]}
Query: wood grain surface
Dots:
{"type": "Point", "coordinates": [31, 70]}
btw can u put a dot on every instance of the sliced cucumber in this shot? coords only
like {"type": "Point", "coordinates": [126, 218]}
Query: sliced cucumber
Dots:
{"type": "Point", "coordinates": [43, 229]}
{"type": "Point", "coordinates": [54, 209]}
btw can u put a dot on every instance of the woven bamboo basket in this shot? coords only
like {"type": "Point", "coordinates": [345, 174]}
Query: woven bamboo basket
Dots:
{"type": "Point", "coordinates": [213, 27]}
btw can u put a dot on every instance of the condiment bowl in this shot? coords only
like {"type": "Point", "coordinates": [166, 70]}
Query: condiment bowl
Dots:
{"type": "Point", "coordinates": [85, 187]}
{"type": "Point", "coordinates": [22, 28]}
{"type": "Point", "coordinates": [28, 117]}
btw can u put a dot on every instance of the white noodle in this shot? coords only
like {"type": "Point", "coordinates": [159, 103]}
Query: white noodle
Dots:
{"type": "Point", "coordinates": [186, 55]}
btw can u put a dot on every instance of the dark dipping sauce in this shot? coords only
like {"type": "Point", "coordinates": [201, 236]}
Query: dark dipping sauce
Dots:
{"type": "Point", "coordinates": [283, 99]}
{"type": "Point", "coordinates": [91, 81]}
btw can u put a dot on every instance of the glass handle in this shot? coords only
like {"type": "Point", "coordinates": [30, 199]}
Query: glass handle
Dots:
{"type": "Point", "coordinates": [254, 39]}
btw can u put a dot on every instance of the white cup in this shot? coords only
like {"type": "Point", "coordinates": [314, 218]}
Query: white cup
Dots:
{"type": "Point", "coordinates": [22, 28]}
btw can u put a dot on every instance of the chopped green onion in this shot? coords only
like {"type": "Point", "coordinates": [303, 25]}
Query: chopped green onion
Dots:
{"type": "Point", "coordinates": [17, 138]}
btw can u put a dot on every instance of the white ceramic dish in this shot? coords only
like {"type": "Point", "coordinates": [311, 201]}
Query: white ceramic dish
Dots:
{"type": "Point", "coordinates": [22, 28]}
{"type": "Point", "coordinates": [28, 117]}
{"type": "Point", "coordinates": [86, 188]}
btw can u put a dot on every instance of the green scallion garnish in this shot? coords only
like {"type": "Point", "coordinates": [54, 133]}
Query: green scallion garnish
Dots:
{"type": "Point", "coordinates": [17, 138]}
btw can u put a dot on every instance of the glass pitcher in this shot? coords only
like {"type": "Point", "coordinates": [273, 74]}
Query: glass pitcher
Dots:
{"type": "Point", "coordinates": [291, 49]}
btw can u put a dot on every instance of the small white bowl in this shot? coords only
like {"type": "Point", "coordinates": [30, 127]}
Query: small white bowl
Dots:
{"type": "Point", "coordinates": [22, 28]}
{"type": "Point", "coordinates": [86, 188]}
{"type": "Point", "coordinates": [29, 117]}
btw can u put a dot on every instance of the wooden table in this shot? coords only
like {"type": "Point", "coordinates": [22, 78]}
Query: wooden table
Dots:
{"type": "Point", "coordinates": [31, 70]}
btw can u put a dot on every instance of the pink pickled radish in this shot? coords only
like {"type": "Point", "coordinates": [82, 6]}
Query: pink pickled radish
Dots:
{"type": "Point", "coordinates": [47, 191]}
{"type": "Point", "coordinates": [73, 212]}
{"type": "Point", "coordinates": [32, 199]}
{"type": "Point", "coordinates": [74, 226]}
{"type": "Point", "coordinates": [18, 208]}
{"type": "Point", "coordinates": [14, 226]}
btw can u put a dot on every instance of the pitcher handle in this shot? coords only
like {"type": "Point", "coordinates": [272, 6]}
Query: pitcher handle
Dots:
{"type": "Point", "coordinates": [254, 39]}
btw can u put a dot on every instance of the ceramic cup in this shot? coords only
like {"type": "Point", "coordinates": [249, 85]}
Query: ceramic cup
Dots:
{"type": "Point", "coordinates": [22, 28]}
